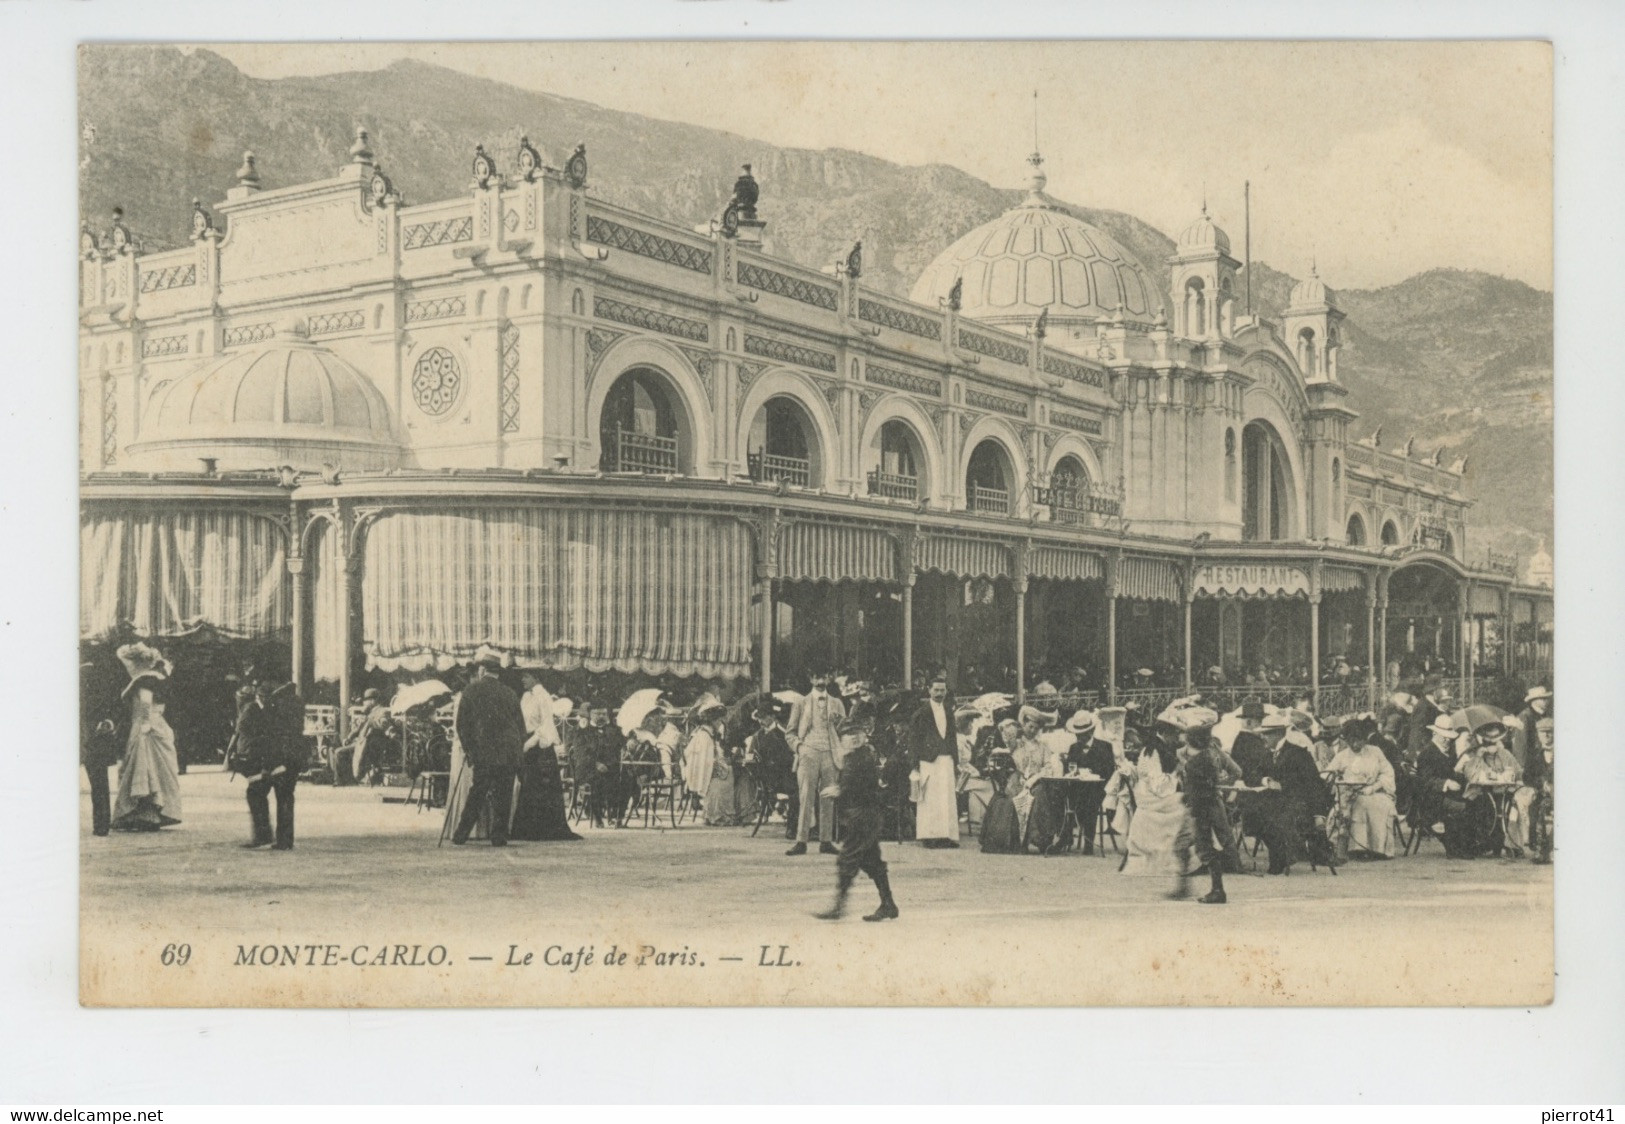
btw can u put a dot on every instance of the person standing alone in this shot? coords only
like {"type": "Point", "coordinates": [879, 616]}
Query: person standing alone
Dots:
{"type": "Point", "coordinates": [816, 741]}
{"type": "Point", "coordinates": [861, 795]}
{"type": "Point", "coordinates": [491, 728]}
{"type": "Point", "coordinates": [935, 743]}
{"type": "Point", "coordinates": [270, 756]}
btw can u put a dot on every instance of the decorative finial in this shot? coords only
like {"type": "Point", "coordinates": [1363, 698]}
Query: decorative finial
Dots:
{"type": "Point", "coordinates": [529, 160]}
{"type": "Point", "coordinates": [1041, 325]}
{"type": "Point", "coordinates": [202, 221]}
{"type": "Point", "coordinates": [379, 188]}
{"type": "Point", "coordinates": [854, 261]}
{"type": "Point", "coordinates": [575, 169]}
{"type": "Point", "coordinates": [119, 234]}
{"type": "Point", "coordinates": [248, 175]}
{"type": "Point", "coordinates": [485, 169]}
{"type": "Point", "coordinates": [1036, 179]}
{"type": "Point", "coordinates": [360, 153]}
{"type": "Point", "coordinates": [89, 247]}
{"type": "Point", "coordinates": [956, 293]}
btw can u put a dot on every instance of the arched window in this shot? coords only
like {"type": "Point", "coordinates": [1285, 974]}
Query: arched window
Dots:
{"type": "Point", "coordinates": [1306, 351]}
{"type": "Point", "coordinates": [1068, 491]}
{"type": "Point", "coordinates": [1265, 512]}
{"type": "Point", "coordinates": [988, 479]}
{"type": "Point", "coordinates": [1390, 534]}
{"type": "Point", "coordinates": [642, 428]}
{"type": "Point", "coordinates": [783, 444]}
{"type": "Point", "coordinates": [1195, 308]}
{"type": "Point", "coordinates": [899, 463]}
{"type": "Point", "coordinates": [1356, 531]}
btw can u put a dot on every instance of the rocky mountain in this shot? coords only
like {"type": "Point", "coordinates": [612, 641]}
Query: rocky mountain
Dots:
{"type": "Point", "coordinates": [1463, 359]}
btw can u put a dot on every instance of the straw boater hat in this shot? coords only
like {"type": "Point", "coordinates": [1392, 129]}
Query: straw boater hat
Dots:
{"type": "Point", "coordinates": [1185, 715]}
{"type": "Point", "coordinates": [1081, 722]}
{"type": "Point", "coordinates": [1537, 692]}
{"type": "Point", "coordinates": [1277, 721]}
{"type": "Point", "coordinates": [1443, 725]}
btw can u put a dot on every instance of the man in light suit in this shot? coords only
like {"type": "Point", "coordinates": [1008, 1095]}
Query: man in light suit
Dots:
{"type": "Point", "coordinates": [815, 740]}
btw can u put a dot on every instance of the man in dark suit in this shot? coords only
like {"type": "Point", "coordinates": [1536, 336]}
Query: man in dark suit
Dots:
{"type": "Point", "coordinates": [862, 797]}
{"type": "Point", "coordinates": [1091, 755]}
{"type": "Point", "coordinates": [270, 754]}
{"type": "Point", "coordinates": [1419, 729]}
{"type": "Point", "coordinates": [1438, 788]}
{"type": "Point", "coordinates": [1295, 796]}
{"type": "Point", "coordinates": [934, 743]}
{"type": "Point", "coordinates": [491, 728]}
{"type": "Point", "coordinates": [1253, 756]}
{"type": "Point", "coordinates": [99, 744]}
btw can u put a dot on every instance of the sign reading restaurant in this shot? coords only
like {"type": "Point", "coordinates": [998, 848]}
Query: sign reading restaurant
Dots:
{"type": "Point", "coordinates": [1251, 580]}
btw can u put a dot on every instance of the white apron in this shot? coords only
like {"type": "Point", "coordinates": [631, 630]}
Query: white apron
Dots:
{"type": "Point", "coordinates": [938, 814]}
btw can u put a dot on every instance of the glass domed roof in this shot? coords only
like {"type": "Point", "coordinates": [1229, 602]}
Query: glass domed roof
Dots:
{"type": "Point", "coordinates": [1035, 256]}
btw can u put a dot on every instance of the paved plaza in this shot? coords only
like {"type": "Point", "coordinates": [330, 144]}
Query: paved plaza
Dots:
{"type": "Point", "coordinates": [719, 902]}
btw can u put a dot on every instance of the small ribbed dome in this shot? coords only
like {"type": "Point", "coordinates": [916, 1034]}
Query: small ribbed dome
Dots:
{"type": "Point", "coordinates": [288, 395]}
{"type": "Point", "coordinates": [1203, 234]}
{"type": "Point", "coordinates": [1035, 256]}
{"type": "Point", "coordinates": [1311, 291]}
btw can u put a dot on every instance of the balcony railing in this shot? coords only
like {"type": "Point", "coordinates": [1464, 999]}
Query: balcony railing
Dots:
{"type": "Point", "coordinates": [989, 501]}
{"type": "Point", "coordinates": [644, 452]}
{"type": "Point", "coordinates": [767, 468]}
{"type": "Point", "coordinates": [893, 485]}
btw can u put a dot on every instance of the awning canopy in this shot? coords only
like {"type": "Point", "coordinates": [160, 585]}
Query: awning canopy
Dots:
{"type": "Point", "coordinates": [1066, 565]}
{"type": "Point", "coordinates": [964, 557]}
{"type": "Point", "coordinates": [170, 573]}
{"type": "Point", "coordinates": [1341, 579]}
{"type": "Point", "coordinates": [1485, 601]}
{"type": "Point", "coordinates": [1148, 579]}
{"type": "Point", "coordinates": [835, 552]}
{"type": "Point", "coordinates": [604, 590]}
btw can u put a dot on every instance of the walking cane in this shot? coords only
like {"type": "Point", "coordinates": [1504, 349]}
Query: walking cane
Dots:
{"type": "Point", "coordinates": [451, 803]}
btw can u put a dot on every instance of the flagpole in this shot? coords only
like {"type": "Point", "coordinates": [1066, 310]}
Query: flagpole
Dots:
{"type": "Point", "coordinates": [1247, 193]}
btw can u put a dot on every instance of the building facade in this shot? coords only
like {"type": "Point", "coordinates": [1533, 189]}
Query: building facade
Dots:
{"type": "Point", "coordinates": [527, 421]}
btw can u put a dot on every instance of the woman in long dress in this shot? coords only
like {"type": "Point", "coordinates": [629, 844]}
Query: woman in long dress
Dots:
{"type": "Point", "coordinates": [149, 787]}
{"type": "Point", "coordinates": [1154, 810]}
{"type": "Point", "coordinates": [707, 770]}
{"type": "Point", "coordinates": [1001, 825]}
{"type": "Point", "coordinates": [1366, 779]}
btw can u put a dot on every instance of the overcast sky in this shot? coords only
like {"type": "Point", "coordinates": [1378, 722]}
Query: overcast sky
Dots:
{"type": "Point", "coordinates": [1377, 160]}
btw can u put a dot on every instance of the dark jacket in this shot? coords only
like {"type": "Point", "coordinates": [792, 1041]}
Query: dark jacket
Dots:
{"type": "Point", "coordinates": [1205, 772]}
{"type": "Point", "coordinates": [1250, 754]}
{"type": "Point", "coordinates": [271, 733]}
{"type": "Point", "coordinates": [924, 742]}
{"type": "Point", "coordinates": [490, 724]}
{"type": "Point", "coordinates": [860, 780]}
{"type": "Point", "coordinates": [1294, 769]}
{"type": "Point", "coordinates": [1094, 755]}
{"type": "Point", "coordinates": [1418, 735]}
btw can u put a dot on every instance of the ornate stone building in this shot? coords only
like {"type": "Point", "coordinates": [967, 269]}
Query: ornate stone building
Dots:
{"type": "Point", "coordinates": [529, 421]}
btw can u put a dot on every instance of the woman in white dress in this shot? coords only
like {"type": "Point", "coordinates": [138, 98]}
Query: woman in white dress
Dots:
{"type": "Point", "coordinates": [149, 786]}
{"type": "Point", "coordinates": [1366, 782]}
{"type": "Point", "coordinates": [1154, 811]}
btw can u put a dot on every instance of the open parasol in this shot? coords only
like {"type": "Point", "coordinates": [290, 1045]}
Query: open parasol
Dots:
{"type": "Point", "coordinates": [1480, 714]}
{"type": "Point", "coordinates": [992, 702]}
{"type": "Point", "coordinates": [636, 708]}
{"type": "Point", "coordinates": [414, 695]}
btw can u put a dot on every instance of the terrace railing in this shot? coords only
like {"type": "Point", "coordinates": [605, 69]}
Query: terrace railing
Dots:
{"type": "Point", "coordinates": [989, 501]}
{"type": "Point", "coordinates": [893, 486]}
{"type": "Point", "coordinates": [644, 452]}
{"type": "Point", "coordinates": [768, 468]}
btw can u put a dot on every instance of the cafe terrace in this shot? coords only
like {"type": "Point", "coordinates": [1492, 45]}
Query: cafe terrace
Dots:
{"type": "Point", "coordinates": [524, 420]}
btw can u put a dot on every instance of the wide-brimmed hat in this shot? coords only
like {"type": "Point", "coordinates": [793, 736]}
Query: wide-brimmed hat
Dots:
{"type": "Point", "coordinates": [1301, 719]}
{"type": "Point", "coordinates": [1277, 721]}
{"type": "Point", "coordinates": [1186, 716]}
{"type": "Point", "coordinates": [1033, 713]}
{"type": "Point", "coordinates": [1544, 722]}
{"type": "Point", "coordinates": [1443, 725]}
{"type": "Point", "coordinates": [142, 659]}
{"type": "Point", "coordinates": [1081, 721]}
{"type": "Point", "coordinates": [563, 708]}
{"type": "Point", "coordinates": [488, 659]}
{"type": "Point", "coordinates": [1536, 692]}
{"type": "Point", "coordinates": [1404, 700]}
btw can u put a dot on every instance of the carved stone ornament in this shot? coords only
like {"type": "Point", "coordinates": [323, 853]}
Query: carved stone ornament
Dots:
{"type": "Point", "coordinates": [749, 373]}
{"type": "Point", "coordinates": [89, 247]}
{"type": "Point", "coordinates": [202, 221]}
{"type": "Point", "coordinates": [702, 363]}
{"type": "Point", "coordinates": [529, 160]}
{"type": "Point", "coordinates": [956, 294]}
{"type": "Point", "coordinates": [854, 261]}
{"type": "Point", "coordinates": [118, 233]}
{"type": "Point", "coordinates": [575, 169]}
{"type": "Point", "coordinates": [379, 188]}
{"type": "Point", "coordinates": [484, 168]}
{"type": "Point", "coordinates": [599, 340]}
{"type": "Point", "coordinates": [746, 192]}
{"type": "Point", "coordinates": [729, 226]}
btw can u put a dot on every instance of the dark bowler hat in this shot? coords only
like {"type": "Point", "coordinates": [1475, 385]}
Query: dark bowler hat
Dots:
{"type": "Point", "coordinates": [1252, 708]}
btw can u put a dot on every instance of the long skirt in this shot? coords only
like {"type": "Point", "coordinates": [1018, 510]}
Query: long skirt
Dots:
{"type": "Point", "coordinates": [939, 804]}
{"type": "Point", "coordinates": [1371, 823]}
{"type": "Point", "coordinates": [539, 812]}
{"type": "Point", "coordinates": [1152, 831]}
{"type": "Point", "coordinates": [1001, 828]}
{"type": "Point", "coordinates": [149, 785]}
{"type": "Point", "coordinates": [1046, 822]}
{"type": "Point", "coordinates": [721, 797]}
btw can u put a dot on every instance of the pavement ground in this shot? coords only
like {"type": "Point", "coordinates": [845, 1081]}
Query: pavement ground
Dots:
{"type": "Point", "coordinates": [368, 910]}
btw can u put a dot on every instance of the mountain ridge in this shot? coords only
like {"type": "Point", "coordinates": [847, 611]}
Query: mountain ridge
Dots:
{"type": "Point", "coordinates": [1454, 356]}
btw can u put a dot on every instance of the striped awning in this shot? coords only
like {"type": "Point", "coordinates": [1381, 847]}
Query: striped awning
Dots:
{"type": "Point", "coordinates": [967, 558]}
{"type": "Point", "coordinates": [1485, 601]}
{"type": "Point", "coordinates": [170, 573]}
{"type": "Point", "coordinates": [1523, 610]}
{"type": "Point", "coordinates": [1066, 565]}
{"type": "Point", "coordinates": [833, 552]}
{"type": "Point", "coordinates": [1148, 579]}
{"type": "Point", "coordinates": [603, 590]}
{"type": "Point", "coordinates": [1341, 579]}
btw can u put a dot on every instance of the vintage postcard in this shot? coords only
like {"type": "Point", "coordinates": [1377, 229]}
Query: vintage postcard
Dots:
{"type": "Point", "coordinates": [607, 524]}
